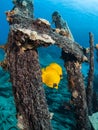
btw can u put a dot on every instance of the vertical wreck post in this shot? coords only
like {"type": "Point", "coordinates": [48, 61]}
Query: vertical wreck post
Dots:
{"type": "Point", "coordinates": [77, 88]}
{"type": "Point", "coordinates": [25, 8]}
{"type": "Point", "coordinates": [61, 24]}
{"type": "Point", "coordinates": [75, 78]}
{"type": "Point", "coordinates": [27, 86]}
{"type": "Point", "coordinates": [89, 89]}
{"type": "Point", "coordinates": [23, 64]}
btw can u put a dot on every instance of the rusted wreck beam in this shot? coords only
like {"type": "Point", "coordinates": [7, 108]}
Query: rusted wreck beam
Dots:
{"type": "Point", "coordinates": [77, 88]}
{"type": "Point", "coordinates": [40, 33]}
{"type": "Point", "coordinates": [60, 23]}
{"type": "Point", "coordinates": [27, 85]}
{"type": "Point", "coordinates": [23, 64]}
{"type": "Point", "coordinates": [24, 7]}
{"type": "Point", "coordinates": [75, 80]}
{"type": "Point", "coordinates": [89, 89]}
{"type": "Point", "coordinates": [41, 28]}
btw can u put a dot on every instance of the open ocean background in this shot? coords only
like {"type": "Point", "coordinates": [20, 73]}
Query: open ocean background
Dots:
{"type": "Point", "coordinates": [82, 18]}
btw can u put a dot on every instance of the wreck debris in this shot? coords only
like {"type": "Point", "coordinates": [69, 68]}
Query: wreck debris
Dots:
{"type": "Point", "coordinates": [47, 33]}
{"type": "Point", "coordinates": [89, 89]}
{"type": "Point", "coordinates": [77, 88]}
{"type": "Point", "coordinates": [61, 24]}
{"type": "Point", "coordinates": [33, 35]}
{"type": "Point", "coordinates": [63, 33]}
{"type": "Point", "coordinates": [23, 64]}
{"type": "Point", "coordinates": [44, 21]}
{"type": "Point", "coordinates": [75, 81]}
{"type": "Point", "coordinates": [27, 87]}
{"type": "Point", "coordinates": [24, 7]}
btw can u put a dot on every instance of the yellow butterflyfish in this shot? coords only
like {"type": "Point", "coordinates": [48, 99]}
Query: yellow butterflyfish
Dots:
{"type": "Point", "coordinates": [51, 75]}
{"type": "Point", "coordinates": [57, 67]}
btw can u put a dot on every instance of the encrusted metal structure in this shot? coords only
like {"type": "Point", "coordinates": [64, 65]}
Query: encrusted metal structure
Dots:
{"type": "Point", "coordinates": [89, 89]}
{"type": "Point", "coordinates": [26, 34]}
{"type": "Point", "coordinates": [75, 80]}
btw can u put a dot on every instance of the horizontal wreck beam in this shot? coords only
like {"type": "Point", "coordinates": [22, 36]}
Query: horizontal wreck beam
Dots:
{"type": "Point", "coordinates": [39, 33]}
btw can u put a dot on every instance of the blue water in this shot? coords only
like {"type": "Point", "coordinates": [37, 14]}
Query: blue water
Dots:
{"type": "Point", "coordinates": [82, 18]}
{"type": "Point", "coordinates": [7, 106]}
